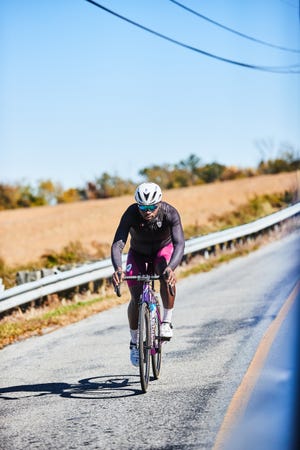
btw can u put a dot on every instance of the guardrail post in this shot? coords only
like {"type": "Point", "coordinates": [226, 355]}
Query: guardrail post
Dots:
{"type": "Point", "coordinates": [21, 277]}
{"type": "Point", "coordinates": [223, 247]}
{"type": "Point", "coordinates": [206, 254]}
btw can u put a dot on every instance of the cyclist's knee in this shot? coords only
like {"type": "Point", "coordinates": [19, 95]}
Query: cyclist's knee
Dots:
{"type": "Point", "coordinates": [135, 292]}
{"type": "Point", "coordinates": [160, 266]}
{"type": "Point", "coordinates": [134, 301]}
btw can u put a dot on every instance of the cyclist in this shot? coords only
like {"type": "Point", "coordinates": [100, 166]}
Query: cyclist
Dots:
{"type": "Point", "coordinates": [157, 240]}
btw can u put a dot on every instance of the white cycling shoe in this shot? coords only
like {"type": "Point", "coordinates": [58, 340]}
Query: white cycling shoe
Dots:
{"type": "Point", "coordinates": [166, 331]}
{"type": "Point", "coordinates": [134, 355]}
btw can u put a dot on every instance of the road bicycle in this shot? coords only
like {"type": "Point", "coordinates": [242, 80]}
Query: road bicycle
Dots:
{"type": "Point", "coordinates": [149, 342]}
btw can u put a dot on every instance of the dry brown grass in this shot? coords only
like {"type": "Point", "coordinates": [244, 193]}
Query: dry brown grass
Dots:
{"type": "Point", "coordinates": [56, 312]}
{"type": "Point", "coordinates": [25, 234]}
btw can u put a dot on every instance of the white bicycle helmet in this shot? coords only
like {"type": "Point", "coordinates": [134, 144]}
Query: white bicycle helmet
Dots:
{"type": "Point", "coordinates": [148, 194]}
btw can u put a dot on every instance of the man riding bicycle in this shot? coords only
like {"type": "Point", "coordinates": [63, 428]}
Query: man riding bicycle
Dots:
{"type": "Point", "coordinates": [157, 240]}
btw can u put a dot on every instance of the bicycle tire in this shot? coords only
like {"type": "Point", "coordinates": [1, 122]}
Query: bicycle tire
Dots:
{"type": "Point", "coordinates": [144, 345]}
{"type": "Point", "coordinates": [156, 352]}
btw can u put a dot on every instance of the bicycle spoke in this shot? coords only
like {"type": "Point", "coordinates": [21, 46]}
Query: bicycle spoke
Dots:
{"type": "Point", "coordinates": [144, 345]}
{"type": "Point", "coordinates": [156, 348]}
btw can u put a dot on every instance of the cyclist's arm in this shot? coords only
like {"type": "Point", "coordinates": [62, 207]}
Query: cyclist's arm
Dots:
{"type": "Point", "coordinates": [177, 240]}
{"type": "Point", "coordinates": [119, 242]}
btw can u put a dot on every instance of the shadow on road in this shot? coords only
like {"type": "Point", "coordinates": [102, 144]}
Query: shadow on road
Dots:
{"type": "Point", "coordinates": [103, 387]}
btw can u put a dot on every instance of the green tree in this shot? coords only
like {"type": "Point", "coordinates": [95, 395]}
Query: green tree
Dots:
{"type": "Point", "coordinates": [49, 191]}
{"type": "Point", "coordinates": [28, 198]}
{"type": "Point", "coordinates": [69, 196]}
{"type": "Point", "coordinates": [161, 175]}
{"type": "Point", "coordinates": [111, 186]}
{"type": "Point", "coordinates": [191, 166]}
{"type": "Point", "coordinates": [287, 159]}
{"type": "Point", "coordinates": [180, 178]}
{"type": "Point", "coordinates": [210, 172]}
{"type": "Point", "coordinates": [9, 196]}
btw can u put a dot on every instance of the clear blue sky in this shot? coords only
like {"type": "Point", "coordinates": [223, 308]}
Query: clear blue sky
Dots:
{"type": "Point", "coordinates": [83, 92]}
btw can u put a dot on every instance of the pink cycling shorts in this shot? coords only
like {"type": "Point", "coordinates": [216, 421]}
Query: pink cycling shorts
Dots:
{"type": "Point", "coordinates": [141, 264]}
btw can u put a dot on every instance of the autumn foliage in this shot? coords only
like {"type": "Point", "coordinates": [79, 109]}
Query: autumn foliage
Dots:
{"type": "Point", "coordinates": [189, 172]}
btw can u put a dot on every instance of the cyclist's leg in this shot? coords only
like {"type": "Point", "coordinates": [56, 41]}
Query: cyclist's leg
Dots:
{"type": "Point", "coordinates": [161, 261]}
{"type": "Point", "coordinates": [135, 265]}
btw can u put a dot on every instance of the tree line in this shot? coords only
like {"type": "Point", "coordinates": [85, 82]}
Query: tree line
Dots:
{"type": "Point", "coordinates": [188, 172]}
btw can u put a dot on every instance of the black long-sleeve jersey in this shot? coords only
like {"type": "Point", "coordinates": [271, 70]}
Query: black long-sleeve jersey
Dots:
{"type": "Point", "coordinates": [147, 237]}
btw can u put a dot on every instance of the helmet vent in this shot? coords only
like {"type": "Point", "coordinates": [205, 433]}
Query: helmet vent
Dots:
{"type": "Point", "coordinates": [139, 196]}
{"type": "Point", "coordinates": [153, 196]}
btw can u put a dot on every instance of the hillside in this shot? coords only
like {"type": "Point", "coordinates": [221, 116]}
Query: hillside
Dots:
{"type": "Point", "coordinates": [25, 234]}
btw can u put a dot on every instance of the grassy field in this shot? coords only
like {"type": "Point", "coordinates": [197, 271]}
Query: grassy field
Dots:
{"type": "Point", "coordinates": [26, 234]}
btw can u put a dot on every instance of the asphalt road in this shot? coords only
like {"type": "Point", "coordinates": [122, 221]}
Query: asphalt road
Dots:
{"type": "Point", "coordinates": [75, 387]}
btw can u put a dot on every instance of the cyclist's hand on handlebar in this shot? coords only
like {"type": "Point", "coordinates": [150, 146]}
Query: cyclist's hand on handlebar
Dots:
{"type": "Point", "coordinates": [169, 275]}
{"type": "Point", "coordinates": [117, 277]}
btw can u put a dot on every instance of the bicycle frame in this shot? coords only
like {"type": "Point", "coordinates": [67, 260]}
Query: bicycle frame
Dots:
{"type": "Point", "coordinates": [148, 296]}
{"type": "Point", "coordinates": [149, 342]}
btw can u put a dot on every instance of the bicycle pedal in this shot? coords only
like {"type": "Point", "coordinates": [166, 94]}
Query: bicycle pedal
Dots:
{"type": "Point", "coordinates": [162, 338]}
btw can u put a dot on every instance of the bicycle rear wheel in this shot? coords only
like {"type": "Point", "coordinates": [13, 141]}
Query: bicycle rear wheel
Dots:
{"type": "Point", "coordinates": [144, 345]}
{"type": "Point", "coordinates": [156, 347]}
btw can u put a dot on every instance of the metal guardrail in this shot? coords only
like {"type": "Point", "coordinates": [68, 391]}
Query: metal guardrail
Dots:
{"type": "Point", "coordinates": [61, 281]}
{"type": "Point", "coordinates": [241, 231]}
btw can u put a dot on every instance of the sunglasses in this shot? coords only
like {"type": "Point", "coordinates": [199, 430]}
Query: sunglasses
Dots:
{"type": "Point", "coordinates": [148, 207]}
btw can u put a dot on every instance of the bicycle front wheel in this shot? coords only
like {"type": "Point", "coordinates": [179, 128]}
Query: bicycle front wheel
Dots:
{"type": "Point", "coordinates": [144, 345]}
{"type": "Point", "coordinates": [156, 346]}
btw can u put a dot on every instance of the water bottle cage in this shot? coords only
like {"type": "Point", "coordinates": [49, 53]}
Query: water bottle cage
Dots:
{"type": "Point", "coordinates": [152, 307]}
